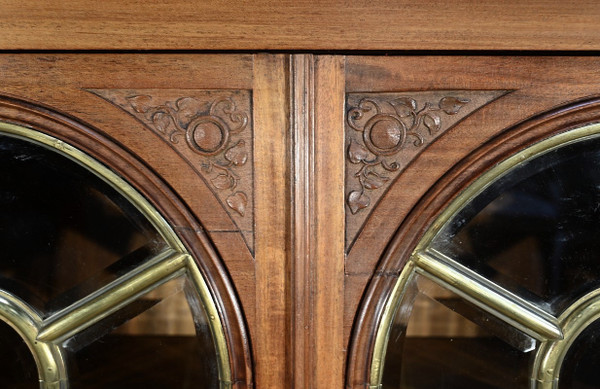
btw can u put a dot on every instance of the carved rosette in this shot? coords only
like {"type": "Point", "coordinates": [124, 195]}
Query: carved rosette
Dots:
{"type": "Point", "coordinates": [212, 130]}
{"type": "Point", "coordinates": [385, 131]}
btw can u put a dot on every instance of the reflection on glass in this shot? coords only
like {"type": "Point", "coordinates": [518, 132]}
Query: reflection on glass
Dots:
{"type": "Point", "coordinates": [536, 230]}
{"type": "Point", "coordinates": [17, 366]}
{"type": "Point", "coordinates": [161, 340]}
{"type": "Point", "coordinates": [580, 366]}
{"type": "Point", "coordinates": [63, 230]}
{"type": "Point", "coordinates": [432, 345]}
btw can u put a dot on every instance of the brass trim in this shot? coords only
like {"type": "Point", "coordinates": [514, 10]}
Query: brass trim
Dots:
{"type": "Point", "coordinates": [26, 322]}
{"type": "Point", "coordinates": [383, 332]}
{"type": "Point", "coordinates": [110, 298]}
{"type": "Point", "coordinates": [488, 296]}
{"type": "Point", "coordinates": [556, 334]}
{"type": "Point", "coordinates": [550, 356]}
{"type": "Point", "coordinates": [158, 270]}
{"type": "Point", "coordinates": [214, 323]}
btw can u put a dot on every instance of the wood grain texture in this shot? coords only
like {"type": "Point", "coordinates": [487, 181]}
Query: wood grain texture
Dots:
{"type": "Point", "coordinates": [212, 130]}
{"type": "Point", "coordinates": [489, 154]}
{"type": "Point", "coordinates": [386, 131]}
{"type": "Point", "coordinates": [539, 84]}
{"type": "Point", "coordinates": [301, 298]}
{"type": "Point", "coordinates": [59, 83]}
{"type": "Point", "coordinates": [62, 81]}
{"type": "Point", "coordinates": [327, 299]}
{"type": "Point", "coordinates": [300, 25]}
{"type": "Point", "coordinates": [105, 150]}
{"type": "Point", "coordinates": [303, 232]}
{"type": "Point", "coordinates": [272, 202]}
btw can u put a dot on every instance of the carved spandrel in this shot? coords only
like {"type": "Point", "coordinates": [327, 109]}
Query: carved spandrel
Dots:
{"type": "Point", "coordinates": [386, 131]}
{"type": "Point", "coordinates": [212, 131]}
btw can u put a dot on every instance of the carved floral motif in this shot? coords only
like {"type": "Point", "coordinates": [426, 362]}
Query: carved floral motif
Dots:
{"type": "Point", "coordinates": [209, 129]}
{"type": "Point", "coordinates": [387, 127]}
{"type": "Point", "coordinates": [206, 132]}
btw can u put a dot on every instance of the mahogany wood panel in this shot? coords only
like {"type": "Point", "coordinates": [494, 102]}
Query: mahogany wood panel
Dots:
{"type": "Point", "coordinates": [386, 131]}
{"type": "Point", "coordinates": [272, 205]}
{"type": "Point", "coordinates": [328, 261]}
{"type": "Point", "coordinates": [302, 136]}
{"type": "Point", "coordinates": [211, 130]}
{"type": "Point", "coordinates": [62, 82]}
{"type": "Point", "coordinates": [537, 85]}
{"type": "Point", "coordinates": [303, 290]}
{"type": "Point", "coordinates": [527, 133]}
{"type": "Point", "coordinates": [300, 25]}
{"type": "Point", "coordinates": [123, 162]}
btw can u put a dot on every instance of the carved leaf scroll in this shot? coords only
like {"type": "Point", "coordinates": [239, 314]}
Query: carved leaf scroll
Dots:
{"type": "Point", "coordinates": [212, 130]}
{"type": "Point", "coordinates": [386, 131]}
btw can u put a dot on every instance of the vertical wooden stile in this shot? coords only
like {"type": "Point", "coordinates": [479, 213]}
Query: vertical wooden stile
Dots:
{"type": "Point", "coordinates": [318, 221]}
{"type": "Point", "coordinates": [272, 220]}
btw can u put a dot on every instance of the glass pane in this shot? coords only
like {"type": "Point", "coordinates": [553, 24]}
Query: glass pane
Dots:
{"type": "Point", "coordinates": [161, 340]}
{"type": "Point", "coordinates": [61, 225]}
{"type": "Point", "coordinates": [431, 345]}
{"type": "Point", "coordinates": [17, 366]}
{"type": "Point", "coordinates": [580, 366]}
{"type": "Point", "coordinates": [536, 230]}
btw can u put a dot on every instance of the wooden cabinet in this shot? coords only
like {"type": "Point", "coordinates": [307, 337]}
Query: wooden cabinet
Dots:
{"type": "Point", "coordinates": [300, 183]}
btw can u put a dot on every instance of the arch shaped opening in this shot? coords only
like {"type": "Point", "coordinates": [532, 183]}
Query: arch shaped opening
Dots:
{"type": "Point", "coordinates": [95, 280]}
{"type": "Point", "coordinates": [491, 293]}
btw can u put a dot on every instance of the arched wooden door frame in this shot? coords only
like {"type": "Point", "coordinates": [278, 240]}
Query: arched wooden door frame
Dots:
{"type": "Point", "coordinates": [359, 371]}
{"type": "Point", "coordinates": [189, 230]}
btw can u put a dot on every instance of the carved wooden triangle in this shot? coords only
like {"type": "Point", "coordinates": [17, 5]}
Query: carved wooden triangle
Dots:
{"type": "Point", "coordinates": [386, 131]}
{"type": "Point", "coordinates": [212, 131]}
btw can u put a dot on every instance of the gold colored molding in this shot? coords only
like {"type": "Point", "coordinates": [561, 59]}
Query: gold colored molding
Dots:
{"type": "Point", "coordinates": [488, 296]}
{"type": "Point", "coordinates": [26, 321]}
{"type": "Point", "coordinates": [550, 356]}
{"type": "Point", "coordinates": [112, 297]}
{"type": "Point", "coordinates": [383, 333]}
{"type": "Point", "coordinates": [44, 336]}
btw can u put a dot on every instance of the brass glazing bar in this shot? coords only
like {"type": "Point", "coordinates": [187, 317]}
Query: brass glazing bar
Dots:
{"type": "Point", "coordinates": [25, 320]}
{"type": "Point", "coordinates": [488, 296]}
{"type": "Point", "coordinates": [214, 322]}
{"type": "Point", "coordinates": [389, 313]}
{"type": "Point", "coordinates": [574, 320]}
{"type": "Point", "coordinates": [112, 297]}
{"type": "Point", "coordinates": [100, 304]}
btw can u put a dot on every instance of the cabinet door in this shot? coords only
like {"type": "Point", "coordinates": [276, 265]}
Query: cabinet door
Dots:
{"type": "Point", "coordinates": [300, 184]}
{"type": "Point", "coordinates": [421, 134]}
{"type": "Point", "coordinates": [204, 138]}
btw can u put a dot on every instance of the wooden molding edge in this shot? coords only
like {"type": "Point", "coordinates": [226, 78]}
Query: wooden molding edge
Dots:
{"type": "Point", "coordinates": [410, 232]}
{"type": "Point", "coordinates": [101, 147]}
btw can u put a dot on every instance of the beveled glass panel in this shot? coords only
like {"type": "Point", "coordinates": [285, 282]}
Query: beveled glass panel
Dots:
{"type": "Point", "coordinates": [161, 340]}
{"type": "Point", "coordinates": [580, 367]}
{"type": "Point", "coordinates": [17, 366]}
{"type": "Point", "coordinates": [536, 230]}
{"type": "Point", "coordinates": [63, 231]}
{"type": "Point", "coordinates": [437, 340]}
